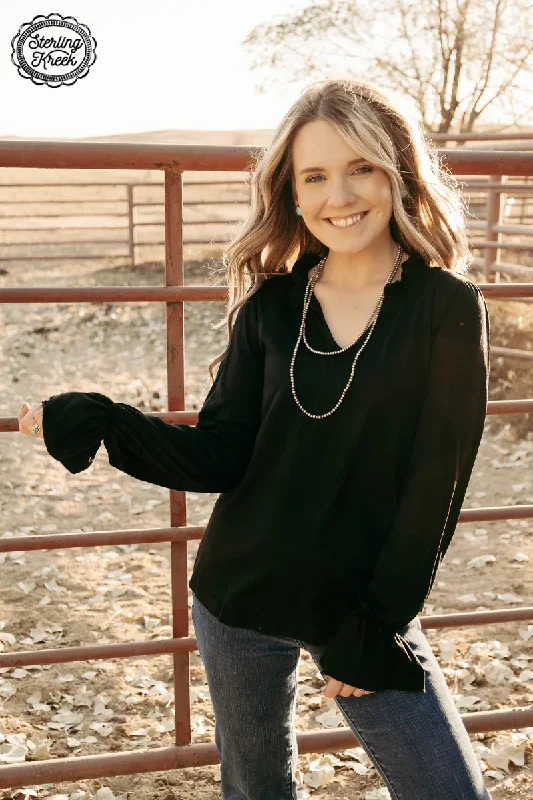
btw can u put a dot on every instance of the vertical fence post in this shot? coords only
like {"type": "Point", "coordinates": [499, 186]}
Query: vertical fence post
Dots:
{"type": "Point", "coordinates": [131, 241]}
{"type": "Point", "coordinates": [494, 216]}
{"type": "Point", "coordinates": [524, 203]}
{"type": "Point", "coordinates": [176, 402]}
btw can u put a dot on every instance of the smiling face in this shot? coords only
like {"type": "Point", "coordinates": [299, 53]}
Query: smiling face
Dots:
{"type": "Point", "coordinates": [344, 186]}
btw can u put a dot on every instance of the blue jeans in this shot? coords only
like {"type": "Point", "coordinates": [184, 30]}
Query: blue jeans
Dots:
{"type": "Point", "coordinates": [416, 740]}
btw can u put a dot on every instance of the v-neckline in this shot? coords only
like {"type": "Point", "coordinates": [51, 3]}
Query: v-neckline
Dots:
{"type": "Point", "coordinates": [316, 306]}
{"type": "Point", "coordinates": [413, 270]}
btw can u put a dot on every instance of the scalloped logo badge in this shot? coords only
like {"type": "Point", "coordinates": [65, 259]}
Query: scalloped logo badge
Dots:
{"type": "Point", "coordinates": [53, 50]}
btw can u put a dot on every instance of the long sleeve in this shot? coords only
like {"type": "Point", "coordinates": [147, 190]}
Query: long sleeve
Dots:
{"type": "Point", "coordinates": [209, 457]}
{"type": "Point", "coordinates": [367, 651]}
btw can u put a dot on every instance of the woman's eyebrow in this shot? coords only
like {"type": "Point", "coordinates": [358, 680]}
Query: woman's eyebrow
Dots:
{"type": "Point", "coordinates": [321, 169]}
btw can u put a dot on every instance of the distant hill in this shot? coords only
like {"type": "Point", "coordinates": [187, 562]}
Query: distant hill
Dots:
{"type": "Point", "coordinates": [244, 136]}
{"type": "Point", "coordinates": [259, 137]}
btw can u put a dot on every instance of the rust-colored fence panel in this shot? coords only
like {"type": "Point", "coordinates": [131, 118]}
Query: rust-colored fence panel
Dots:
{"type": "Point", "coordinates": [120, 206]}
{"type": "Point", "coordinates": [173, 160]}
{"type": "Point", "coordinates": [115, 222]}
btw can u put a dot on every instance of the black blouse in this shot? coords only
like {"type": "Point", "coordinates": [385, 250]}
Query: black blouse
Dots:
{"type": "Point", "coordinates": [329, 531]}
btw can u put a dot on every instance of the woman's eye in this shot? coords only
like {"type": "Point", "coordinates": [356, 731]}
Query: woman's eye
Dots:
{"type": "Point", "coordinates": [366, 168]}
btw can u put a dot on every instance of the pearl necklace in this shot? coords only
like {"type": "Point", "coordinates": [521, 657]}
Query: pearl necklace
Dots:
{"type": "Point", "coordinates": [307, 299]}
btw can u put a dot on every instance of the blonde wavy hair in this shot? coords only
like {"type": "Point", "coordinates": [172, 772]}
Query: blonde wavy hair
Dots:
{"type": "Point", "coordinates": [431, 219]}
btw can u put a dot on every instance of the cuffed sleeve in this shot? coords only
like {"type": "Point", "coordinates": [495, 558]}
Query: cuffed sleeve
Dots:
{"type": "Point", "coordinates": [209, 457]}
{"type": "Point", "coordinates": [367, 651]}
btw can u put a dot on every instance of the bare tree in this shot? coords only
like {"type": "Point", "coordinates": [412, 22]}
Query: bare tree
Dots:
{"type": "Point", "coordinates": [454, 59]}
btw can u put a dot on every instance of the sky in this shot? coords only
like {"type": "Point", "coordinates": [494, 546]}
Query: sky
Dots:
{"type": "Point", "coordinates": [161, 64]}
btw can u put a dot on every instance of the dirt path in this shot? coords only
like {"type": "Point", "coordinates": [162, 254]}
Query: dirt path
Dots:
{"type": "Point", "coordinates": [113, 594]}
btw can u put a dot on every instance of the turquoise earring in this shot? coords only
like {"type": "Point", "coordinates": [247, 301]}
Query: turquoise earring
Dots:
{"type": "Point", "coordinates": [299, 211]}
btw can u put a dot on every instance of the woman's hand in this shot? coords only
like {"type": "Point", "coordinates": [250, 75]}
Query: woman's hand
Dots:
{"type": "Point", "coordinates": [29, 416]}
{"type": "Point", "coordinates": [343, 689]}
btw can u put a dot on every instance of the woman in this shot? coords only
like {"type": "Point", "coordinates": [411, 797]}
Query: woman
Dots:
{"type": "Point", "coordinates": [341, 431]}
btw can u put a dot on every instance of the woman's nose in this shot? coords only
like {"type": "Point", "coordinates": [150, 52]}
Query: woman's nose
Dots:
{"type": "Point", "coordinates": [340, 195]}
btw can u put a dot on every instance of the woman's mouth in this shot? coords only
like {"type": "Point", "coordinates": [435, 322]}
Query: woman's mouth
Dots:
{"type": "Point", "coordinates": [349, 222]}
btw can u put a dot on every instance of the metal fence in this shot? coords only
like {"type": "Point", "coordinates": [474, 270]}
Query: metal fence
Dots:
{"type": "Point", "coordinates": [126, 219]}
{"type": "Point", "coordinates": [128, 223]}
{"type": "Point", "coordinates": [174, 160]}
{"type": "Point", "coordinates": [123, 216]}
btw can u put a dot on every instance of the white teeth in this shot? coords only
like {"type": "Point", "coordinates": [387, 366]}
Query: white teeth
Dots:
{"type": "Point", "coordinates": [344, 223]}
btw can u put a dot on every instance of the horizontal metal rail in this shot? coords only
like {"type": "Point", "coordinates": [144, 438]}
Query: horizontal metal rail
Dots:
{"type": "Point", "coordinates": [525, 246]}
{"type": "Point", "coordinates": [63, 215]}
{"type": "Point", "coordinates": [161, 759]}
{"type": "Point", "coordinates": [210, 158]}
{"type": "Point", "coordinates": [113, 184]}
{"type": "Point", "coordinates": [64, 655]}
{"type": "Point", "coordinates": [476, 136]}
{"type": "Point", "coordinates": [509, 352]}
{"type": "Point", "coordinates": [186, 533]}
{"type": "Point", "coordinates": [172, 294]}
{"type": "Point", "coordinates": [494, 407]}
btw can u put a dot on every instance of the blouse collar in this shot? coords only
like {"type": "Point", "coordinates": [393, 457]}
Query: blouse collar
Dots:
{"type": "Point", "coordinates": [414, 267]}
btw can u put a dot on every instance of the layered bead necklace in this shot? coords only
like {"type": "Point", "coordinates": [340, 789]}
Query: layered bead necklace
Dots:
{"type": "Point", "coordinates": [307, 299]}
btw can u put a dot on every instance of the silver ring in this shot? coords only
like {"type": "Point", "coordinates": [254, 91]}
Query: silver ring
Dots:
{"type": "Point", "coordinates": [35, 429]}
